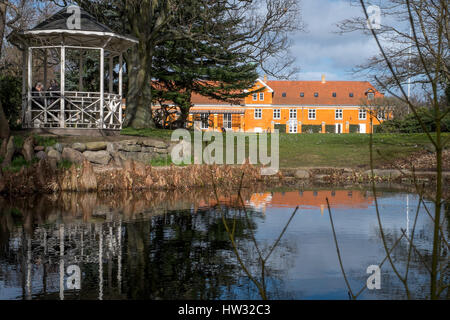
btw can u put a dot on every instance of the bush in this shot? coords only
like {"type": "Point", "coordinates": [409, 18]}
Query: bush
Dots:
{"type": "Point", "coordinates": [354, 128]}
{"type": "Point", "coordinates": [11, 98]}
{"type": "Point", "coordinates": [329, 128]}
{"type": "Point", "coordinates": [311, 128]}
{"type": "Point", "coordinates": [411, 125]}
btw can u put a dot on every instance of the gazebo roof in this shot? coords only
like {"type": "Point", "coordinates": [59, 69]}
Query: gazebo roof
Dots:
{"type": "Point", "coordinates": [54, 31]}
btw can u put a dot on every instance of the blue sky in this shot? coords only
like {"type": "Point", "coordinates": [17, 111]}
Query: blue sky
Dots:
{"type": "Point", "coordinates": [320, 50]}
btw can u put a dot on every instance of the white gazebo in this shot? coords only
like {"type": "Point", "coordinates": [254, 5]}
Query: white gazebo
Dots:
{"type": "Point", "coordinates": [72, 32]}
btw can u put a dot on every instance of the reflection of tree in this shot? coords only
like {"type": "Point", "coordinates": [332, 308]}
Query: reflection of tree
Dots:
{"type": "Point", "coordinates": [149, 245]}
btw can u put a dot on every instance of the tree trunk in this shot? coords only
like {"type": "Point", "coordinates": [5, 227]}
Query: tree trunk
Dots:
{"type": "Point", "coordinates": [139, 98]}
{"type": "Point", "coordinates": [4, 126]}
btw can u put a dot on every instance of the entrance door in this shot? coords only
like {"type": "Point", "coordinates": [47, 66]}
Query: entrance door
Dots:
{"type": "Point", "coordinates": [293, 126]}
{"type": "Point", "coordinates": [338, 127]}
{"type": "Point", "coordinates": [362, 128]}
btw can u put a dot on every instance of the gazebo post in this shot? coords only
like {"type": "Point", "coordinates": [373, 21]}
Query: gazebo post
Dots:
{"type": "Point", "coordinates": [111, 74]}
{"type": "Point", "coordinates": [30, 85]}
{"type": "Point", "coordinates": [120, 87]}
{"type": "Point", "coordinates": [62, 86]}
{"type": "Point", "coordinates": [45, 70]}
{"type": "Point", "coordinates": [80, 81]}
{"type": "Point", "coordinates": [102, 84]}
{"type": "Point", "coordinates": [24, 84]}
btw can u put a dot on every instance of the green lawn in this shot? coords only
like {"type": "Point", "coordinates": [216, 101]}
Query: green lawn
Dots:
{"type": "Point", "coordinates": [333, 150]}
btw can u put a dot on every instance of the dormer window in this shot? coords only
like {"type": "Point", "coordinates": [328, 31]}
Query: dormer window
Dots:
{"type": "Point", "coordinates": [351, 95]}
{"type": "Point", "coordinates": [255, 97]}
{"type": "Point", "coordinates": [370, 95]}
{"type": "Point", "coordinates": [302, 94]}
{"type": "Point", "coordinates": [334, 95]}
{"type": "Point", "coordinates": [316, 94]}
{"type": "Point", "coordinates": [283, 94]}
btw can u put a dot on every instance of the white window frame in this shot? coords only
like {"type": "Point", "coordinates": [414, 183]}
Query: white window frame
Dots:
{"type": "Point", "coordinates": [312, 114]}
{"type": "Point", "coordinates": [261, 96]}
{"type": "Point", "coordinates": [362, 112]}
{"type": "Point", "coordinates": [277, 114]}
{"type": "Point", "coordinates": [204, 119]}
{"type": "Point", "coordinates": [292, 113]}
{"type": "Point", "coordinates": [339, 114]}
{"type": "Point", "coordinates": [293, 126]}
{"type": "Point", "coordinates": [227, 120]}
{"type": "Point", "coordinates": [255, 97]}
{"type": "Point", "coordinates": [258, 113]}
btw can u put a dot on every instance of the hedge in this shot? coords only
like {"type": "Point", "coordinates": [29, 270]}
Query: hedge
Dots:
{"type": "Point", "coordinates": [329, 128]}
{"type": "Point", "coordinates": [354, 128]}
{"type": "Point", "coordinates": [311, 128]}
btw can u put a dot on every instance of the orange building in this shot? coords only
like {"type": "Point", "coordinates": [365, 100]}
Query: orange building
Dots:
{"type": "Point", "coordinates": [292, 107]}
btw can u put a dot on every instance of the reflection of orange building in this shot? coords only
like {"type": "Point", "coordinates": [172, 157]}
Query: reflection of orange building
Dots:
{"type": "Point", "coordinates": [312, 199]}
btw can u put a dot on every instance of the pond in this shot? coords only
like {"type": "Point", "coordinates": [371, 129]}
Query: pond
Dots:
{"type": "Point", "coordinates": [178, 246]}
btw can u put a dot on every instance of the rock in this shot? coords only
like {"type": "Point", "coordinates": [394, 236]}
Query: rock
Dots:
{"type": "Point", "coordinates": [10, 149]}
{"type": "Point", "coordinates": [48, 149]}
{"type": "Point", "coordinates": [130, 147]}
{"type": "Point", "coordinates": [117, 158]}
{"type": "Point", "coordinates": [98, 157]}
{"type": "Point", "coordinates": [72, 155]}
{"type": "Point", "coordinates": [39, 148]}
{"type": "Point", "coordinates": [96, 146]}
{"type": "Point", "coordinates": [153, 143]}
{"type": "Point", "coordinates": [54, 154]}
{"type": "Point", "coordinates": [145, 157]}
{"type": "Point", "coordinates": [41, 155]}
{"type": "Point", "coordinates": [161, 151]}
{"type": "Point", "coordinates": [88, 180]}
{"type": "Point", "coordinates": [112, 147]}
{"type": "Point", "coordinates": [58, 147]}
{"type": "Point", "coordinates": [28, 149]}
{"type": "Point", "coordinates": [321, 177]}
{"type": "Point", "coordinates": [147, 149]}
{"type": "Point", "coordinates": [302, 174]}
{"type": "Point", "coordinates": [78, 146]}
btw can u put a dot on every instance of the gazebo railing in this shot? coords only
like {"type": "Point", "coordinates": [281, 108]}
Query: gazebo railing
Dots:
{"type": "Point", "coordinates": [81, 110]}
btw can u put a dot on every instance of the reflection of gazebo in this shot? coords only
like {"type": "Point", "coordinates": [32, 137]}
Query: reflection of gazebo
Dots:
{"type": "Point", "coordinates": [72, 32]}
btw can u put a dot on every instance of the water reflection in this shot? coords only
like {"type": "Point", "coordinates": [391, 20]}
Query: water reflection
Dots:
{"type": "Point", "coordinates": [175, 246]}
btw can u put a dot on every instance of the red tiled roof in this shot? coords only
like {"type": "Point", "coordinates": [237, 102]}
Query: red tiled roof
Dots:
{"type": "Point", "coordinates": [325, 91]}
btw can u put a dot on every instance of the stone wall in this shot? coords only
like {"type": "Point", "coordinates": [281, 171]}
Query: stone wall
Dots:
{"type": "Point", "coordinates": [104, 153]}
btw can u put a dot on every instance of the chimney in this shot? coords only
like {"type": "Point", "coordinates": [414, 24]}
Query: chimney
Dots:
{"type": "Point", "coordinates": [265, 78]}
{"type": "Point", "coordinates": [323, 78]}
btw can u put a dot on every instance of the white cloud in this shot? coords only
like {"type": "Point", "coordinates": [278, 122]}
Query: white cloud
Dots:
{"type": "Point", "coordinates": [320, 49]}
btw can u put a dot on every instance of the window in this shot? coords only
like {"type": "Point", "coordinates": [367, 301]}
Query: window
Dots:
{"type": "Point", "coordinates": [261, 96]}
{"type": "Point", "coordinates": [293, 126]}
{"type": "Point", "coordinates": [302, 94]}
{"type": "Point", "coordinates": [258, 113]}
{"type": "Point", "coordinates": [276, 113]}
{"type": "Point", "coordinates": [334, 94]}
{"type": "Point", "coordinates": [381, 115]}
{"type": "Point", "coordinates": [205, 120]}
{"type": "Point", "coordinates": [292, 113]}
{"type": "Point", "coordinates": [351, 95]}
{"type": "Point", "coordinates": [255, 97]}
{"type": "Point", "coordinates": [312, 114]}
{"type": "Point", "coordinates": [339, 114]}
{"type": "Point", "coordinates": [316, 94]}
{"type": "Point", "coordinates": [227, 120]}
{"type": "Point", "coordinates": [362, 114]}
{"type": "Point", "coordinates": [370, 95]}
{"type": "Point", "coordinates": [283, 94]}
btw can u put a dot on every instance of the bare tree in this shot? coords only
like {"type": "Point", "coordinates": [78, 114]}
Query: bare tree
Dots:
{"type": "Point", "coordinates": [426, 45]}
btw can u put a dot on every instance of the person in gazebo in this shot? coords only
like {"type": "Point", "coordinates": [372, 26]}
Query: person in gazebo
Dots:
{"type": "Point", "coordinates": [37, 94]}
